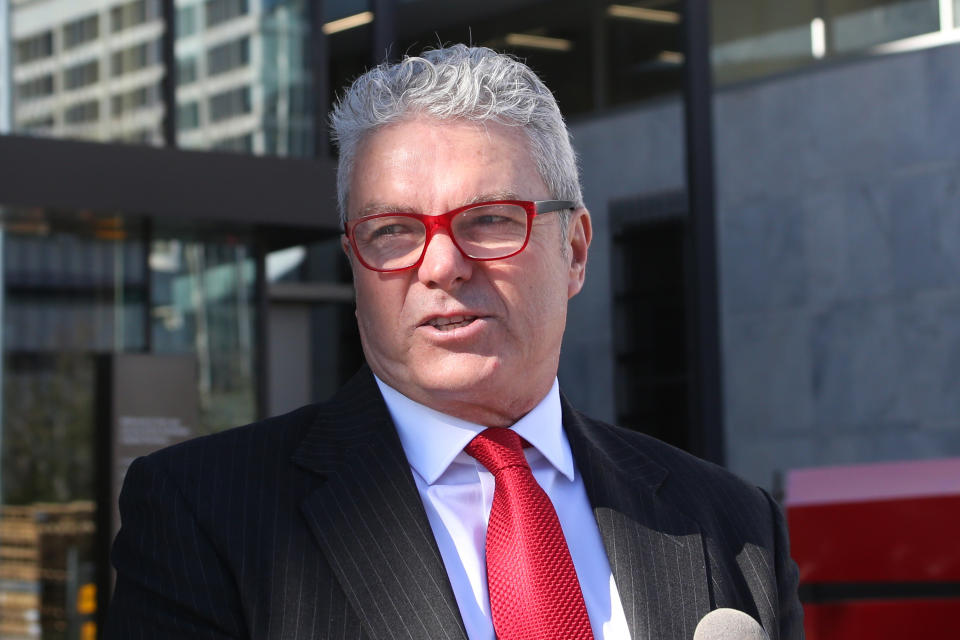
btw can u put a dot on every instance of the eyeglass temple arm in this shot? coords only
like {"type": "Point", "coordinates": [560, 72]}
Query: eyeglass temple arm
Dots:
{"type": "Point", "coordinates": [546, 206]}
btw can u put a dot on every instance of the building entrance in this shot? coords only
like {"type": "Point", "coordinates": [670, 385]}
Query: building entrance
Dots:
{"type": "Point", "coordinates": [79, 286]}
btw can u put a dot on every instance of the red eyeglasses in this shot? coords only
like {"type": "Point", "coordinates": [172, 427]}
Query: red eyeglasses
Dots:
{"type": "Point", "coordinates": [483, 231]}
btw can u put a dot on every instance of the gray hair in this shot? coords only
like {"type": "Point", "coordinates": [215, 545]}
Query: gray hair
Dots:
{"type": "Point", "coordinates": [473, 83]}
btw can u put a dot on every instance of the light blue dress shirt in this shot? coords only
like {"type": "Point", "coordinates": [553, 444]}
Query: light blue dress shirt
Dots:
{"type": "Point", "coordinates": [457, 493]}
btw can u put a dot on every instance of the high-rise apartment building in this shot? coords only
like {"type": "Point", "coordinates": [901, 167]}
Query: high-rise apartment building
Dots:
{"type": "Point", "coordinates": [93, 69]}
{"type": "Point", "coordinates": [88, 69]}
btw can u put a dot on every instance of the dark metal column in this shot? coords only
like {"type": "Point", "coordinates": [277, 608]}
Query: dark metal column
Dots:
{"type": "Point", "coordinates": [707, 437]}
{"type": "Point", "coordinates": [261, 356]}
{"type": "Point", "coordinates": [384, 30]}
{"type": "Point", "coordinates": [320, 67]}
{"type": "Point", "coordinates": [168, 86]}
{"type": "Point", "coordinates": [146, 238]}
{"type": "Point", "coordinates": [598, 20]}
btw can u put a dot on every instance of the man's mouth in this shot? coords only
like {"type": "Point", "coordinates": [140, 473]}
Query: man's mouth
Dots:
{"type": "Point", "coordinates": [450, 323]}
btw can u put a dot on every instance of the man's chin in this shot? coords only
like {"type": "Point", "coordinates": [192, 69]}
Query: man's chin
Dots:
{"type": "Point", "coordinates": [467, 374]}
{"type": "Point", "coordinates": [437, 381]}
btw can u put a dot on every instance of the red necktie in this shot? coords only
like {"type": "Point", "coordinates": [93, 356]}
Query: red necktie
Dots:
{"type": "Point", "coordinates": [534, 591]}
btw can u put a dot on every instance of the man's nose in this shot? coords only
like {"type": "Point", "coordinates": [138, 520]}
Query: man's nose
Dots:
{"type": "Point", "coordinates": [443, 265]}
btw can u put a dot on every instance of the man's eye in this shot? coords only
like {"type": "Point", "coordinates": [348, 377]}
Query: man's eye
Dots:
{"type": "Point", "coordinates": [491, 219]}
{"type": "Point", "coordinates": [390, 230]}
{"type": "Point", "coordinates": [380, 229]}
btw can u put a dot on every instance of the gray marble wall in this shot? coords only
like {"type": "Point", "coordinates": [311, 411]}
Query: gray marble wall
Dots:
{"type": "Point", "coordinates": [839, 243]}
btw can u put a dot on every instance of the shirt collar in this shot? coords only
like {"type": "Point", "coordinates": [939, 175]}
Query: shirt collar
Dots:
{"type": "Point", "coordinates": [432, 439]}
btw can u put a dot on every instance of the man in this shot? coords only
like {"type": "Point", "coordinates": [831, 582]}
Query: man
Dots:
{"type": "Point", "coordinates": [408, 506]}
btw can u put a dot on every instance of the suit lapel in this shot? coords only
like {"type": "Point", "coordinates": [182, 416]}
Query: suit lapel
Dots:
{"type": "Point", "coordinates": [370, 521]}
{"type": "Point", "coordinates": [656, 552]}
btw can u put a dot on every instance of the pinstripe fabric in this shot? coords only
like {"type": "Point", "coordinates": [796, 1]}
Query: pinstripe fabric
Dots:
{"type": "Point", "coordinates": [683, 536]}
{"type": "Point", "coordinates": [309, 525]}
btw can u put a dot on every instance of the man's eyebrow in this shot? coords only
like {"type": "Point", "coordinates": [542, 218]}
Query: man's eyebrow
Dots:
{"type": "Point", "coordinates": [496, 195]}
{"type": "Point", "coordinates": [382, 207]}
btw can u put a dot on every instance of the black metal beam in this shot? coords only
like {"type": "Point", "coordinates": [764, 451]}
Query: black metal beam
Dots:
{"type": "Point", "coordinates": [168, 85]}
{"type": "Point", "coordinates": [146, 240]}
{"type": "Point", "coordinates": [384, 30]}
{"type": "Point", "coordinates": [168, 183]}
{"type": "Point", "coordinates": [320, 69]}
{"type": "Point", "coordinates": [261, 349]}
{"type": "Point", "coordinates": [707, 436]}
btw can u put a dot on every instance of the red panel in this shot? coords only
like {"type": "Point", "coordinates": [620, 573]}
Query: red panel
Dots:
{"type": "Point", "coordinates": [883, 620]}
{"type": "Point", "coordinates": [902, 540]}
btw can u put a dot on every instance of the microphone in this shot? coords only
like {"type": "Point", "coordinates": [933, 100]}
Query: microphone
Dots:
{"type": "Point", "coordinates": [729, 624]}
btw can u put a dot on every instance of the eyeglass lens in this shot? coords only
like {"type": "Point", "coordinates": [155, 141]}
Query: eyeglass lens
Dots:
{"type": "Point", "coordinates": [485, 232]}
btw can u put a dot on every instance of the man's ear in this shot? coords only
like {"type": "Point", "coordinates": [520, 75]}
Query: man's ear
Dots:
{"type": "Point", "coordinates": [345, 244]}
{"type": "Point", "coordinates": [579, 234]}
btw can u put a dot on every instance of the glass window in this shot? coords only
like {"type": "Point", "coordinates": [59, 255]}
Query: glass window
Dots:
{"type": "Point", "coordinates": [643, 51]}
{"type": "Point", "coordinates": [133, 13]}
{"type": "Point", "coordinates": [273, 45]}
{"type": "Point", "coordinates": [81, 112]}
{"type": "Point", "coordinates": [592, 55]}
{"type": "Point", "coordinates": [186, 21]}
{"type": "Point", "coordinates": [78, 286]}
{"type": "Point", "coordinates": [337, 9]}
{"type": "Point", "coordinates": [138, 98]}
{"type": "Point", "coordinates": [228, 56]}
{"type": "Point", "coordinates": [81, 75]}
{"type": "Point", "coordinates": [219, 11]}
{"type": "Point", "coordinates": [241, 144]}
{"type": "Point", "coordinates": [35, 47]}
{"type": "Point", "coordinates": [564, 42]}
{"type": "Point", "coordinates": [186, 71]}
{"type": "Point", "coordinates": [759, 37]}
{"type": "Point", "coordinates": [35, 88]}
{"type": "Point", "coordinates": [83, 55]}
{"type": "Point", "coordinates": [230, 103]}
{"type": "Point", "coordinates": [332, 342]}
{"type": "Point", "coordinates": [142, 135]}
{"type": "Point", "coordinates": [135, 58]}
{"type": "Point", "coordinates": [858, 24]}
{"type": "Point", "coordinates": [286, 78]}
{"type": "Point", "coordinates": [203, 303]}
{"type": "Point", "coordinates": [73, 287]}
{"type": "Point", "coordinates": [39, 125]}
{"type": "Point", "coordinates": [188, 116]}
{"type": "Point", "coordinates": [753, 38]}
{"type": "Point", "coordinates": [81, 31]}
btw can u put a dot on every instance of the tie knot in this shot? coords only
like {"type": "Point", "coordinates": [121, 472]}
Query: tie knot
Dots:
{"type": "Point", "coordinates": [497, 448]}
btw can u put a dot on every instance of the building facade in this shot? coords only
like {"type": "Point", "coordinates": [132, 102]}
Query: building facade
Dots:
{"type": "Point", "coordinates": [166, 193]}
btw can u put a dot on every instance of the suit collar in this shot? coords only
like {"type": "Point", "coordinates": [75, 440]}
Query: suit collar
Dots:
{"type": "Point", "coordinates": [603, 447]}
{"type": "Point", "coordinates": [656, 551]}
{"type": "Point", "coordinates": [371, 526]}
{"type": "Point", "coordinates": [370, 522]}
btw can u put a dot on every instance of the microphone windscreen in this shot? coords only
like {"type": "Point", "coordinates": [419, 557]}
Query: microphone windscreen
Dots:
{"type": "Point", "coordinates": [729, 624]}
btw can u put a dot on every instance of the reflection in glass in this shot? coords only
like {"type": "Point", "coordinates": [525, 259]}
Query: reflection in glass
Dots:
{"type": "Point", "coordinates": [592, 55]}
{"type": "Point", "coordinates": [858, 24]}
{"type": "Point", "coordinates": [243, 73]}
{"type": "Point", "coordinates": [753, 38]}
{"type": "Point", "coordinates": [202, 302]}
{"type": "Point", "coordinates": [91, 73]}
{"type": "Point", "coordinates": [257, 57]}
{"type": "Point", "coordinates": [74, 285]}
{"type": "Point", "coordinates": [318, 275]}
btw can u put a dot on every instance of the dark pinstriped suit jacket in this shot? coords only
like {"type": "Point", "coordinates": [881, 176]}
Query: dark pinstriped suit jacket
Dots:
{"type": "Point", "coordinates": [309, 525]}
